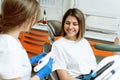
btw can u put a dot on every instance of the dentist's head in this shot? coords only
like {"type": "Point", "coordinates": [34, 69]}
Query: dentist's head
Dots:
{"type": "Point", "coordinates": [18, 14]}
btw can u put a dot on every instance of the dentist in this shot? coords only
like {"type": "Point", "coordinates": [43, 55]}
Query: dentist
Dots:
{"type": "Point", "coordinates": [18, 16]}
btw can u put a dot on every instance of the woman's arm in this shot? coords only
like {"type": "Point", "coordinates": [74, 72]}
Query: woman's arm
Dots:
{"type": "Point", "coordinates": [63, 75]}
{"type": "Point", "coordinates": [116, 40]}
{"type": "Point", "coordinates": [35, 78]}
{"type": "Point", "coordinates": [15, 78]}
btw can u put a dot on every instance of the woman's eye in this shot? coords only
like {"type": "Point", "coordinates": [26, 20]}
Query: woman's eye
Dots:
{"type": "Point", "coordinates": [67, 23]}
{"type": "Point", "coordinates": [75, 24]}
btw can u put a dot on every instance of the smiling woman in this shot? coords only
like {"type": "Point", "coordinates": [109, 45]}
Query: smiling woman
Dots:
{"type": "Point", "coordinates": [73, 52]}
{"type": "Point", "coordinates": [71, 27]}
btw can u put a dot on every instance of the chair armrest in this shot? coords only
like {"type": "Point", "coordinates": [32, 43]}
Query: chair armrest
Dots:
{"type": "Point", "coordinates": [108, 47]}
{"type": "Point", "coordinates": [47, 47]}
{"type": "Point", "coordinates": [54, 75]}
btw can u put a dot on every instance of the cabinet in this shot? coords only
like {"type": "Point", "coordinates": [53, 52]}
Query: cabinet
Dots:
{"type": "Point", "coordinates": [34, 40]}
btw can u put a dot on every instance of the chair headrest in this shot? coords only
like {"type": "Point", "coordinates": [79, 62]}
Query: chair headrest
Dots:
{"type": "Point", "coordinates": [108, 47]}
{"type": "Point", "coordinates": [55, 27]}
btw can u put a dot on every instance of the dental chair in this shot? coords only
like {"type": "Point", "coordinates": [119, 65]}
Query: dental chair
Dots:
{"type": "Point", "coordinates": [108, 47]}
{"type": "Point", "coordinates": [54, 29]}
{"type": "Point", "coordinates": [53, 75]}
{"type": "Point", "coordinates": [115, 47]}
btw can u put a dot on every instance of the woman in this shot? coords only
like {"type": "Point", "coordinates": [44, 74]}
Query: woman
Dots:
{"type": "Point", "coordinates": [18, 16]}
{"type": "Point", "coordinates": [74, 54]}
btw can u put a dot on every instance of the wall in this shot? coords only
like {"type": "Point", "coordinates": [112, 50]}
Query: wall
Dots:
{"type": "Point", "coordinates": [54, 8]}
{"type": "Point", "coordinates": [108, 8]}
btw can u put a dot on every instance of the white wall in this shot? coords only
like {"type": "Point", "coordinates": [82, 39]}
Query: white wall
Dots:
{"type": "Point", "coordinates": [107, 8]}
{"type": "Point", "coordinates": [57, 8]}
{"type": "Point", "coordinates": [53, 8]}
{"type": "Point", "coordinates": [110, 8]}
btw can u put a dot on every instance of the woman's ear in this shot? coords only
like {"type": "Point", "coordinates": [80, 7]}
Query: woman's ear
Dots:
{"type": "Point", "coordinates": [29, 23]}
{"type": "Point", "coordinates": [27, 26]}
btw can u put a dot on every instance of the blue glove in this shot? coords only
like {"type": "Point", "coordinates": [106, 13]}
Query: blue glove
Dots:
{"type": "Point", "coordinates": [35, 59]}
{"type": "Point", "coordinates": [86, 76]}
{"type": "Point", "coordinates": [46, 70]}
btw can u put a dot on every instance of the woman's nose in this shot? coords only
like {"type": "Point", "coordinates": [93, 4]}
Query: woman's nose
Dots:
{"type": "Point", "coordinates": [70, 26]}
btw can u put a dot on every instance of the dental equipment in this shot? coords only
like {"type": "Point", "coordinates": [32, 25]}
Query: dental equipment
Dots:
{"type": "Point", "coordinates": [42, 62]}
{"type": "Point", "coordinates": [108, 75]}
{"type": "Point", "coordinates": [100, 71]}
{"type": "Point", "coordinates": [93, 75]}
